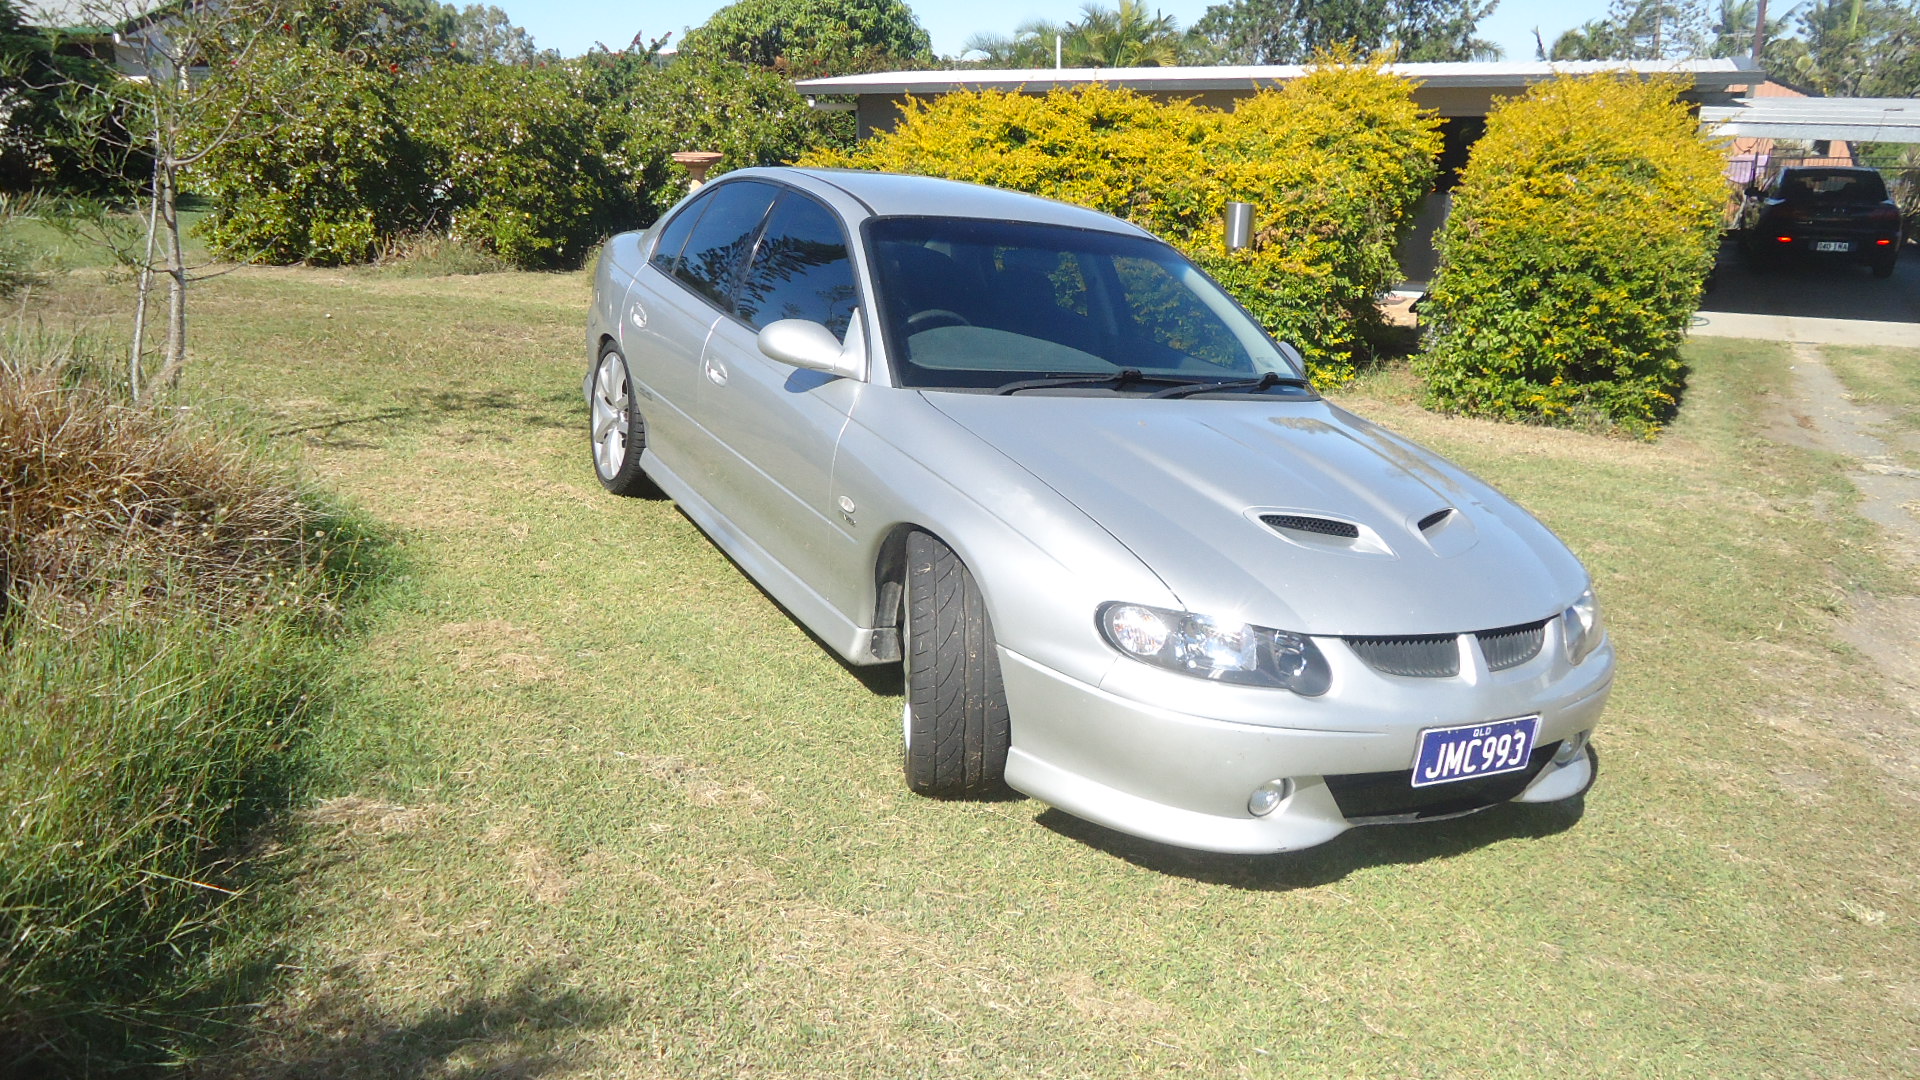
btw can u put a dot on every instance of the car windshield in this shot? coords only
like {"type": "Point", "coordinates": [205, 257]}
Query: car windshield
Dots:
{"type": "Point", "coordinates": [1847, 187]}
{"type": "Point", "coordinates": [972, 304]}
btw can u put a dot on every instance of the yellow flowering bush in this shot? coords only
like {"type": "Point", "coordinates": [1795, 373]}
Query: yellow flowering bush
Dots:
{"type": "Point", "coordinates": [1335, 164]}
{"type": "Point", "coordinates": [1584, 226]}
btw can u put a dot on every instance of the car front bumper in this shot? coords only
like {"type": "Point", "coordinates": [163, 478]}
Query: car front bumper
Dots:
{"type": "Point", "coordinates": [1184, 779]}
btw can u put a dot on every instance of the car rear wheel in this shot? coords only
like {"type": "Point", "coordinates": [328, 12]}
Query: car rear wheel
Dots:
{"type": "Point", "coordinates": [619, 433]}
{"type": "Point", "coordinates": [1883, 268]}
{"type": "Point", "coordinates": [955, 721]}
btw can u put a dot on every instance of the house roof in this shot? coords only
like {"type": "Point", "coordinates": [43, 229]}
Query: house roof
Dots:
{"type": "Point", "coordinates": [1706, 75]}
{"type": "Point", "coordinates": [97, 16]}
{"type": "Point", "coordinates": [1888, 120]}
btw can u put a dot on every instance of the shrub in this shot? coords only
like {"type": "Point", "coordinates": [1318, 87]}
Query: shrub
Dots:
{"type": "Point", "coordinates": [751, 116]}
{"type": "Point", "coordinates": [334, 177]}
{"type": "Point", "coordinates": [525, 162]}
{"type": "Point", "coordinates": [163, 641]}
{"type": "Point", "coordinates": [1583, 228]}
{"type": "Point", "coordinates": [1335, 164]}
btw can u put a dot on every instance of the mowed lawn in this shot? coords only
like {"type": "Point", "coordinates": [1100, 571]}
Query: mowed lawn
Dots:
{"type": "Point", "coordinates": [594, 806]}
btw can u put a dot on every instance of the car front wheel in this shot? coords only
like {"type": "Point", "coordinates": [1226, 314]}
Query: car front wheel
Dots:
{"type": "Point", "coordinates": [956, 724]}
{"type": "Point", "coordinates": [619, 433]}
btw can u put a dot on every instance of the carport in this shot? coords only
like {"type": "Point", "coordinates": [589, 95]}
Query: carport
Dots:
{"type": "Point", "coordinates": [1816, 303]}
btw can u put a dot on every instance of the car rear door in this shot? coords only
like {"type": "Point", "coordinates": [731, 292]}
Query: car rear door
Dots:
{"type": "Point", "coordinates": [671, 311]}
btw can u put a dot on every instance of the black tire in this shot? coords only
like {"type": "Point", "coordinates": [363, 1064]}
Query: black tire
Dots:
{"type": "Point", "coordinates": [956, 725]}
{"type": "Point", "coordinates": [1883, 268]}
{"type": "Point", "coordinates": [618, 463]}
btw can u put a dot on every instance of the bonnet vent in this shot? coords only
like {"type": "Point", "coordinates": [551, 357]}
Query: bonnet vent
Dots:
{"type": "Point", "coordinates": [1435, 518]}
{"type": "Point", "coordinates": [1301, 523]}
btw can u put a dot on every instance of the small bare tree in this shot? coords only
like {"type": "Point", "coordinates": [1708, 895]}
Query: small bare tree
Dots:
{"type": "Point", "coordinates": [173, 102]}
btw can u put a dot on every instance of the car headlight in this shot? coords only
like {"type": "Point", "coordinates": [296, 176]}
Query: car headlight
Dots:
{"type": "Point", "coordinates": [1209, 648]}
{"type": "Point", "coordinates": [1583, 627]}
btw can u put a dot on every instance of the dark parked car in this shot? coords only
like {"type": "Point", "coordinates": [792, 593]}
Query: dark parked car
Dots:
{"type": "Point", "coordinates": [1822, 212]}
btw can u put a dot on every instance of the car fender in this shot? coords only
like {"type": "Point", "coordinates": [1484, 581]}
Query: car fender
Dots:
{"type": "Point", "coordinates": [1042, 564]}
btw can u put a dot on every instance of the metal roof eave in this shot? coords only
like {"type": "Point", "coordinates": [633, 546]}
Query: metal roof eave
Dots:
{"type": "Point", "coordinates": [1706, 75]}
{"type": "Point", "coordinates": [1889, 120]}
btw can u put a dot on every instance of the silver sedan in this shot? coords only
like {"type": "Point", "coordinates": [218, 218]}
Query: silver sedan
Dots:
{"type": "Point", "coordinates": [1133, 565]}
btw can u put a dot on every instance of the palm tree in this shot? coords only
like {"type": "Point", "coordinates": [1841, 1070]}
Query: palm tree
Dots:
{"type": "Point", "coordinates": [1124, 36]}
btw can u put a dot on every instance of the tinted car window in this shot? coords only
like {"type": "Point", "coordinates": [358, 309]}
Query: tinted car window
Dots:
{"type": "Point", "coordinates": [721, 239]}
{"type": "Point", "coordinates": [673, 236]}
{"type": "Point", "coordinates": [1849, 187]}
{"type": "Point", "coordinates": [800, 269]}
{"type": "Point", "coordinates": [974, 303]}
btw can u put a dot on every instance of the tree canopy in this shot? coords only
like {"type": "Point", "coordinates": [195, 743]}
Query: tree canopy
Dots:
{"type": "Point", "coordinates": [1293, 31]}
{"type": "Point", "coordinates": [814, 37]}
{"type": "Point", "coordinates": [1852, 48]}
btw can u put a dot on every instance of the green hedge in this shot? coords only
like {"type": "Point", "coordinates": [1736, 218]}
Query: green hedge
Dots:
{"type": "Point", "coordinates": [1583, 228]}
{"type": "Point", "coordinates": [1335, 163]}
{"type": "Point", "coordinates": [525, 162]}
{"type": "Point", "coordinates": [339, 175]}
{"type": "Point", "coordinates": [533, 164]}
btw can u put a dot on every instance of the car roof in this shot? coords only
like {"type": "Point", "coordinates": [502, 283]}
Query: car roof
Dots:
{"type": "Point", "coordinates": [1829, 170]}
{"type": "Point", "coordinates": [878, 194]}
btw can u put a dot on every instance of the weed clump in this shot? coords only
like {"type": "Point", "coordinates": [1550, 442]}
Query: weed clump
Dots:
{"type": "Point", "coordinates": [431, 254]}
{"type": "Point", "coordinates": [171, 605]}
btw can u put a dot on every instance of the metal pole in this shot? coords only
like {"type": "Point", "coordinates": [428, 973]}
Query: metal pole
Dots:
{"type": "Point", "coordinates": [1239, 225]}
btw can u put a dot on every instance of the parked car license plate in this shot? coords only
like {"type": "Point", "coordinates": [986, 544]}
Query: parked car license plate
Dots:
{"type": "Point", "coordinates": [1470, 750]}
{"type": "Point", "coordinates": [1833, 245]}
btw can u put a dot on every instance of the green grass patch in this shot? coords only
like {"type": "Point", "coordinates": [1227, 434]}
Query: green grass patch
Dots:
{"type": "Point", "coordinates": [48, 249]}
{"type": "Point", "coordinates": [591, 803]}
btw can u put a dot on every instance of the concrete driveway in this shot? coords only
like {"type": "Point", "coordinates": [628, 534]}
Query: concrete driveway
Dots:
{"type": "Point", "coordinates": [1825, 304]}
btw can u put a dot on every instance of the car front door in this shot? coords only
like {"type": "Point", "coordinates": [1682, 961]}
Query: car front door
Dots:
{"type": "Point", "coordinates": [778, 425]}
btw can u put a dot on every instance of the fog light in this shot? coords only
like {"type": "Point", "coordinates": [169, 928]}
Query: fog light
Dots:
{"type": "Point", "coordinates": [1571, 747]}
{"type": "Point", "coordinates": [1268, 796]}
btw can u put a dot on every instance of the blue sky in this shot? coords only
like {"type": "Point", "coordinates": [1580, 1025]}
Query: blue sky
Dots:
{"type": "Point", "coordinates": [572, 26]}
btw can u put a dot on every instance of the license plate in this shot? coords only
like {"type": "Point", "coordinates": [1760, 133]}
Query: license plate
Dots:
{"type": "Point", "coordinates": [1833, 245]}
{"type": "Point", "coordinates": [1470, 750]}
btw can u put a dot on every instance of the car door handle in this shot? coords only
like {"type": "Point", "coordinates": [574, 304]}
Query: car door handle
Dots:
{"type": "Point", "coordinates": [716, 372]}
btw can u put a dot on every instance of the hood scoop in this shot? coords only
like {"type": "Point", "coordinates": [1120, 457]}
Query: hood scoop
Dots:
{"type": "Point", "coordinates": [1319, 532]}
{"type": "Point", "coordinates": [1447, 531]}
{"type": "Point", "coordinates": [1302, 523]}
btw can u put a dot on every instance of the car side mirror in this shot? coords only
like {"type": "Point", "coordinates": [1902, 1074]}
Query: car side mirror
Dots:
{"type": "Point", "coordinates": [812, 346]}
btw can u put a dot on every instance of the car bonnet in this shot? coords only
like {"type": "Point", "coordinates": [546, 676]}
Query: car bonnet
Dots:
{"type": "Point", "coordinates": [1294, 515]}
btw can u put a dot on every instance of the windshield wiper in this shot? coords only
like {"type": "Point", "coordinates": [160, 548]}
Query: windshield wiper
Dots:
{"type": "Point", "coordinates": [1253, 386]}
{"type": "Point", "coordinates": [1119, 380]}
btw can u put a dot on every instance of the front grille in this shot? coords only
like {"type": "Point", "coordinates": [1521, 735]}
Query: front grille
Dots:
{"type": "Point", "coordinates": [1420, 657]}
{"type": "Point", "coordinates": [1300, 523]}
{"type": "Point", "coordinates": [1391, 794]}
{"type": "Point", "coordinates": [1512, 646]}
